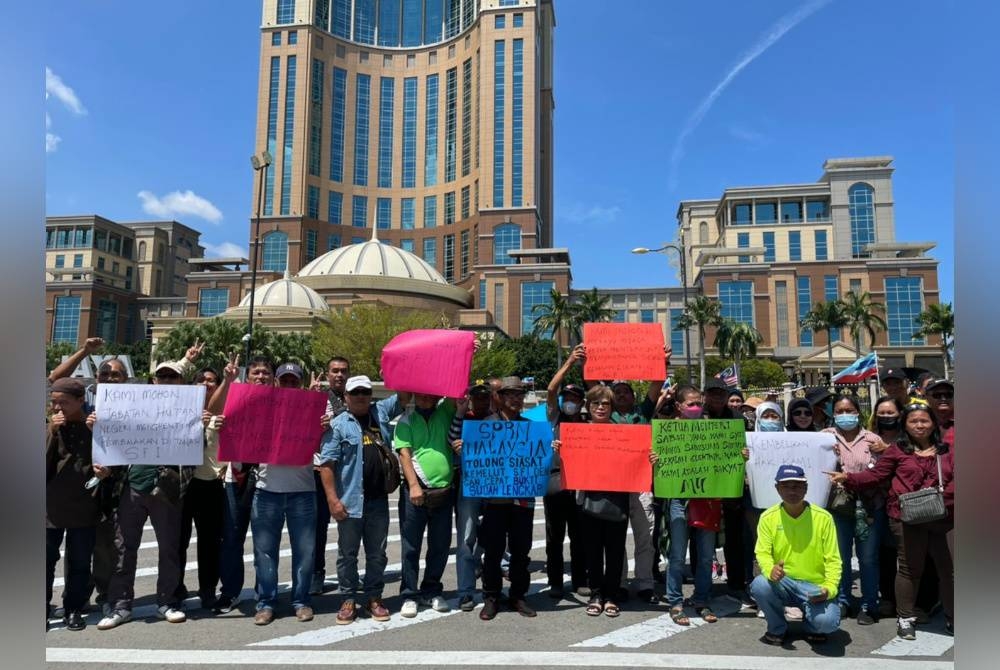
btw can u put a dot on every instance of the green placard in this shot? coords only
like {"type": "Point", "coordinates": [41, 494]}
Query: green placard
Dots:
{"type": "Point", "coordinates": [699, 458]}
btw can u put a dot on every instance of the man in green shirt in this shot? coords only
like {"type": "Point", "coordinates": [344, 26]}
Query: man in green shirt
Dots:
{"type": "Point", "coordinates": [799, 562]}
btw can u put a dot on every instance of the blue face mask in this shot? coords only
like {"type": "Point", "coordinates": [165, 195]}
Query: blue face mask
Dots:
{"type": "Point", "coordinates": [846, 421]}
{"type": "Point", "coordinates": [769, 425]}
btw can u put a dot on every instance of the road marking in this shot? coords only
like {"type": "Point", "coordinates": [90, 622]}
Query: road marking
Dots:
{"type": "Point", "coordinates": [469, 659]}
{"type": "Point", "coordinates": [660, 628]}
{"type": "Point", "coordinates": [926, 644]}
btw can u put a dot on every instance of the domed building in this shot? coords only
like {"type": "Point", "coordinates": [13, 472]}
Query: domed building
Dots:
{"type": "Point", "coordinates": [284, 305]}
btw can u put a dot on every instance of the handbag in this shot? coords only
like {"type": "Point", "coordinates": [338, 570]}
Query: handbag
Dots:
{"type": "Point", "coordinates": [601, 506]}
{"type": "Point", "coordinates": [705, 513]}
{"type": "Point", "coordinates": [842, 501]}
{"type": "Point", "coordinates": [434, 498]}
{"type": "Point", "coordinates": [924, 505]}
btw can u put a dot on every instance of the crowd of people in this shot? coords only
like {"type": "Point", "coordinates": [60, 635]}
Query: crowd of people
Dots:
{"type": "Point", "coordinates": [788, 561]}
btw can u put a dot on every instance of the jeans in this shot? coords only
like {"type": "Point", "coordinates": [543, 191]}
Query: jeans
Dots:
{"type": "Point", "coordinates": [468, 551]}
{"type": "Point", "coordinates": [269, 513]}
{"type": "Point", "coordinates": [506, 525]}
{"type": "Point", "coordinates": [772, 597]}
{"type": "Point", "coordinates": [562, 516]}
{"type": "Point", "coordinates": [372, 529]}
{"type": "Point", "coordinates": [642, 521]}
{"type": "Point", "coordinates": [133, 510]}
{"type": "Point", "coordinates": [235, 522]}
{"type": "Point", "coordinates": [79, 551]}
{"type": "Point", "coordinates": [705, 542]}
{"type": "Point", "coordinates": [202, 506]}
{"type": "Point", "coordinates": [868, 550]}
{"type": "Point", "coordinates": [413, 522]}
{"type": "Point", "coordinates": [322, 526]}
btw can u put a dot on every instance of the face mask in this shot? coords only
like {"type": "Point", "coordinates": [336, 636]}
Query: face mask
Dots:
{"type": "Point", "coordinates": [888, 422]}
{"type": "Point", "coordinates": [846, 421]}
{"type": "Point", "coordinates": [769, 425]}
{"type": "Point", "coordinates": [691, 412]}
{"type": "Point", "coordinates": [570, 408]}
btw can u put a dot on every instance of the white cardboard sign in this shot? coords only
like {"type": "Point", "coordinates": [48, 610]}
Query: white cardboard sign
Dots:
{"type": "Point", "coordinates": [813, 452]}
{"type": "Point", "coordinates": [148, 424]}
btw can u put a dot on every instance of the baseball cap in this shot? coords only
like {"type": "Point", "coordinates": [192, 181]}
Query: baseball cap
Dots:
{"type": "Point", "coordinates": [573, 389]}
{"type": "Point", "coordinates": [893, 373]}
{"type": "Point", "coordinates": [790, 473]}
{"type": "Point", "coordinates": [169, 366]}
{"type": "Point", "coordinates": [940, 382]}
{"type": "Point", "coordinates": [288, 369]}
{"type": "Point", "coordinates": [715, 383]}
{"type": "Point", "coordinates": [69, 386]}
{"type": "Point", "coordinates": [357, 382]}
{"type": "Point", "coordinates": [479, 387]}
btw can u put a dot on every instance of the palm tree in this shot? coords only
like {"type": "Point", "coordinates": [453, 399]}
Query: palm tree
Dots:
{"type": "Point", "coordinates": [554, 316]}
{"type": "Point", "coordinates": [591, 307]}
{"type": "Point", "coordinates": [737, 340]}
{"type": "Point", "coordinates": [938, 319]}
{"type": "Point", "coordinates": [863, 317]}
{"type": "Point", "coordinates": [701, 311]}
{"type": "Point", "coordinates": [826, 316]}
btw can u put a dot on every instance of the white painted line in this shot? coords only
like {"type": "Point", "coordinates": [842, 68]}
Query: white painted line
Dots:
{"type": "Point", "coordinates": [660, 628]}
{"type": "Point", "coordinates": [926, 644]}
{"type": "Point", "coordinates": [469, 659]}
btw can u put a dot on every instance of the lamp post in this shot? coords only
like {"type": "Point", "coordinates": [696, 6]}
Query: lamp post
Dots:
{"type": "Point", "coordinates": [684, 283]}
{"type": "Point", "coordinates": [260, 164]}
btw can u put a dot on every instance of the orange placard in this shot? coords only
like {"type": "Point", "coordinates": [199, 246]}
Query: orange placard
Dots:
{"type": "Point", "coordinates": [624, 351]}
{"type": "Point", "coordinates": [606, 457]}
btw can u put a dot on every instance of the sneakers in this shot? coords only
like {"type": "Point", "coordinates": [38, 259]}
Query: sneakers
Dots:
{"type": "Point", "coordinates": [225, 605]}
{"type": "Point", "coordinates": [490, 608]}
{"type": "Point", "coordinates": [466, 603]}
{"type": "Point", "coordinates": [347, 613]}
{"type": "Point", "coordinates": [439, 604]}
{"type": "Point", "coordinates": [171, 614]}
{"type": "Point", "coordinates": [304, 613]}
{"type": "Point", "coordinates": [318, 582]}
{"type": "Point", "coordinates": [378, 611]}
{"type": "Point", "coordinates": [865, 618]}
{"type": "Point", "coordinates": [116, 618]}
{"type": "Point", "coordinates": [905, 629]}
{"type": "Point", "coordinates": [409, 608]}
{"type": "Point", "coordinates": [263, 616]}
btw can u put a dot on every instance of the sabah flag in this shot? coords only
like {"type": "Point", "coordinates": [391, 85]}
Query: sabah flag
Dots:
{"type": "Point", "coordinates": [858, 371]}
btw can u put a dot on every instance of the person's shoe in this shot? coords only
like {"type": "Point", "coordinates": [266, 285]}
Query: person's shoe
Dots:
{"type": "Point", "coordinates": [171, 614]}
{"type": "Point", "coordinates": [905, 629]}
{"type": "Point", "coordinates": [348, 612]}
{"type": "Point", "coordinates": [583, 591]}
{"type": "Point", "coordinates": [466, 603]}
{"type": "Point", "coordinates": [522, 607]}
{"type": "Point", "coordinates": [59, 613]}
{"type": "Point", "coordinates": [75, 621]}
{"type": "Point", "coordinates": [318, 582]}
{"type": "Point", "coordinates": [773, 640]}
{"type": "Point", "coordinates": [304, 613]}
{"type": "Point", "coordinates": [490, 608]}
{"type": "Point", "coordinates": [439, 604]}
{"type": "Point", "coordinates": [409, 609]}
{"type": "Point", "coordinates": [378, 611]}
{"type": "Point", "coordinates": [116, 618]}
{"type": "Point", "coordinates": [207, 601]}
{"type": "Point", "coordinates": [556, 592]}
{"type": "Point", "coordinates": [648, 596]}
{"type": "Point", "coordinates": [865, 618]}
{"type": "Point", "coordinates": [225, 604]}
{"type": "Point", "coordinates": [760, 614]}
{"type": "Point", "coordinates": [263, 616]}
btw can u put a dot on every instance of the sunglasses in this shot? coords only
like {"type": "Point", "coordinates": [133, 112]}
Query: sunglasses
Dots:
{"type": "Point", "coordinates": [360, 392]}
{"type": "Point", "coordinates": [600, 403]}
{"type": "Point", "coordinates": [802, 412]}
{"type": "Point", "coordinates": [168, 376]}
{"type": "Point", "coordinates": [942, 396]}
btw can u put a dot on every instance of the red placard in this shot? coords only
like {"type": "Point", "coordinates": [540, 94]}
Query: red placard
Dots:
{"type": "Point", "coordinates": [265, 424]}
{"type": "Point", "coordinates": [606, 457]}
{"type": "Point", "coordinates": [624, 351]}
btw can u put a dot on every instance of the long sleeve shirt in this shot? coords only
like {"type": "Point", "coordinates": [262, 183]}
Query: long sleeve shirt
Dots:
{"type": "Point", "coordinates": [807, 545]}
{"type": "Point", "coordinates": [907, 472]}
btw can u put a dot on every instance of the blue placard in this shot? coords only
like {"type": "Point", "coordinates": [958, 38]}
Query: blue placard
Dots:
{"type": "Point", "coordinates": [506, 459]}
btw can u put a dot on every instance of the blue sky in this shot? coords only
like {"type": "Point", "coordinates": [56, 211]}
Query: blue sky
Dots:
{"type": "Point", "coordinates": [151, 113]}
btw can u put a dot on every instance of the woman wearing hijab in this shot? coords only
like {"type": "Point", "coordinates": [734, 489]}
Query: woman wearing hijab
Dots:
{"type": "Point", "coordinates": [800, 416]}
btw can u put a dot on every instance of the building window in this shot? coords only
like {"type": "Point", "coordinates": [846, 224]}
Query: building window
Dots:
{"type": "Point", "coordinates": [286, 162]}
{"type": "Point", "coordinates": [407, 213]}
{"type": "Point", "coordinates": [509, 3]}
{"type": "Point", "coordinates": [50, 239]}
{"type": "Point", "coordinates": [286, 12]}
{"type": "Point", "coordinates": [464, 266]}
{"type": "Point", "coordinates": [795, 245]}
{"type": "Point", "coordinates": [831, 291]}
{"type": "Point", "coordinates": [388, 23]}
{"type": "Point", "coordinates": [316, 118]}
{"type": "Point", "coordinates": [821, 252]}
{"type": "Point", "coordinates": [212, 301]}
{"type": "Point", "coordinates": [855, 286]}
{"type": "Point", "coordinates": [321, 15]}
{"type": "Point", "coordinates": [311, 244]}
{"type": "Point", "coordinates": [66, 320]}
{"type": "Point", "coordinates": [817, 210]}
{"type": "Point", "coordinates": [791, 212]}
{"type": "Point", "coordinates": [114, 245]}
{"type": "Point", "coordinates": [430, 251]}
{"type": "Point", "coordinates": [534, 293]}
{"type": "Point", "coordinates": [449, 258]}
{"type": "Point", "coordinates": [357, 240]}
{"type": "Point", "coordinates": [500, 22]}
{"type": "Point", "coordinates": [766, 212]}
{"type": "Point", "coordinates": [450, 122]}
{"type": "Point", "coordinates": [334, 207]}
{"type": "Point", "coordinates": [499, 93]}
{"type": "Point", "coordinates": [741, 214]}
{"type": "Point", "coordinates": [431, 132]}
{"type": "Point", "coordinates": [115, 267]}
{"type": "Point", "coordinates": [361, 110]}
{"type": "Point", "coordinates": [337, 120]}
{"type": "Point", "coordinates": [647, 316]}
{"type": "Point", "coordinates": [449, 208]}
{"type": "Point", "coordinates": [805, 304]}
{"type": "Point", "coordinates": [412, 22]}
{"type": "Point", "coordinates": [82, 238]}
{"type": "Point", "coordinates": [100, 262]}
{"type": "Point", "coordinates": [743, 242]}
{"type": "Point", "coordinates": [332, 242]}
{"type": "Point", "coordinates": [433, 23]}
{"type": "Point", "coordinates": [274, 257]}
{"type": "Point", "coordinates": [409, 132]}
{"type": "Point", "coordinates": [276, 38]}
{"type": "Point", "coordinates": [60, 261]}
{"type": "Point", "coordinates": [406, 245]}
{"type": "Point", "coordinates": [768, 247]}
{"type": "Point", "coordinates": [737, 301]}
{"type": "Point", "coordinates": [364, 21]}
{"type": "Point", "coordinates": [703, 232]}
{"type": "Point", "coordinates": [465, 202]}
{"type": "Point", "coordinates": [312, 202]}
{"type": "Point", "coordinates": [383, 213]}
{"type": "Point", "coordinates": [430, 211]}
{"type": "Point", "coordinates": [519, 20]}
{"type": "Point", "coordinates": [107, 320]}
{"type": "Point", "coordinates": [781, 307]}
{"type": "Point", "coordinates": [517, 127]}
{"type": "Point", "coordinates": [452, 19]}
{"type": "Point", "coordinates": [78, 260]}
{"type": "Point", "coordinates": [341, 24]}
{"type": "Point", "coordinates": [861, 207]}
{"type": "Point", "coordinates": [272, 132]}
{"type": "Point", "coordinates": [293, 37]}
{"type": "Point", "coordinates": [498, 303]}
{"type": "Point", "coordinates": [903, 304]}
{"type": "Point", "coordinates": [466, 116]}
{"type": "Point", "coordinates": [482, 294]}
{"type": "Point", "coordinates": [359, 211]}
{"type": "Point", "coordinates": [386, 99]}
{"type": "Point", "coordinates": [506, 237]}
{"type": "Point", "coordinates": [620, 316]}
{"type": "Point", "coordinates": [677, 339]}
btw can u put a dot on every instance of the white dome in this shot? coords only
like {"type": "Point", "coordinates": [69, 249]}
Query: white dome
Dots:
{"type": "Point", "coordinates": [372, 258]}
{"type": "Point", "coordinates": [286, 293]}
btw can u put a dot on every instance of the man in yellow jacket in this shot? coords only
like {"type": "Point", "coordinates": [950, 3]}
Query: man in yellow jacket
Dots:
{"type": "Point", "coordinates": [799, 562]}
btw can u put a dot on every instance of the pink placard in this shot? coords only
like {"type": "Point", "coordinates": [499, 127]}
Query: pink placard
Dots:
{"type": "Point", "coordinates": [624, 351]}
{"type": "Point", "coordinates": [436, 362]}
{"type": "Point", "coordinates": [265, 424]}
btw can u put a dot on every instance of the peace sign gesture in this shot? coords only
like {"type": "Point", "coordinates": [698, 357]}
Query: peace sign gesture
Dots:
{"type": "Point", "coordinates": [194, 350]}
{"type": "Point", "coordinates": [232, 369]}
{"type": "Point", "coordinates": [315, 380]}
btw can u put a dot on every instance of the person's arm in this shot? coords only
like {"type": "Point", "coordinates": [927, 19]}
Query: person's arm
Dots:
{"type": "Point", "coordinates": [229, 374]}
{"type": "Point", "coordinates": [410, 475]}
{"type": "Point", "coordinates": [66, 368]}
{"type": "Point", "coordinates": [579, 353]}
{"type": "Point", "coordinates": [655, 386]}
{"type": "Point", "coordinates": [331, 452]}
{"type": "Point", "coordinates": [884, 469]}
{"type": "Point", "coordinates": [764, 549]}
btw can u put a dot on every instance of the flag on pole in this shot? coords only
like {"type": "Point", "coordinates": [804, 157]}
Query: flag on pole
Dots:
{"type": "Point", "coordinates": [729, 378]}
{"type": "Point", "coordinates": [859, 370]}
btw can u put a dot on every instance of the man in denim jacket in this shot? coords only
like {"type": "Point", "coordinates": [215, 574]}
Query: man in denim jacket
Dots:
{"type": "Point", "coordinates": [353, 472]}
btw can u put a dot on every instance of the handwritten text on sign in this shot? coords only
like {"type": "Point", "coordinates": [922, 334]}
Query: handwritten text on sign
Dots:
{"type": "Point", "coordinates": [265, 424]}
{"type": "Point", "coordinates": [435, 362]}
{"type": "Point", "coordinates": [813, 452]}
{"type": "Point", "coordinates": [506, 459]}
{"type": "Point", "coordinates": [699, 458]}
{"type": "Point", "coordinates": [605, 457]}
{"type": "Point", "coordinates": [624, 351]}
{"type": "Point", "coordinates": [142, 424]}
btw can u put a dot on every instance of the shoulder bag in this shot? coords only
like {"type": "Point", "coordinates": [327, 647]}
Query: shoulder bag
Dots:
{"type": "Point", "coordinates": [924, 505]}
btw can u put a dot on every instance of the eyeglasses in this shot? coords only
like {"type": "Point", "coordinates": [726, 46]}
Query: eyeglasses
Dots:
{"type": "Point", "coordinates": [943, 396]}
{"type": "Point", "coordinates": [802, 412]}
{"type": "Point", "coordinates": [600, 403]}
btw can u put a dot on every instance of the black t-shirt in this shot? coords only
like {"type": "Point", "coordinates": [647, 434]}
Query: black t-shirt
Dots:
{"type": "Point", "coordinates": [373, 475]}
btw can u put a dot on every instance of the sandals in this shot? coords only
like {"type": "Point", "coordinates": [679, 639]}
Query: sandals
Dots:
{"type": "Point", "coordinates": [594, 608]}
{"type": "Point", "coordinates": [707, 614]}
{"type": "Point", "coordinates": [678, 616]}
{"type": "Point", "coordinates": [611, 610]}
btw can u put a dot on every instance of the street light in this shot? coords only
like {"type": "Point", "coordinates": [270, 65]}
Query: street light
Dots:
{"type": "Point", "coordinates": [684, 282]}
{"type": "Point", "coordinates": [259, 164]}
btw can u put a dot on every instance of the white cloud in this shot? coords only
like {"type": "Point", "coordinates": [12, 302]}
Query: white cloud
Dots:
{"type": "Point", "coordinates": [748, 136]}
{"type": "Point", "coordinates": [55, 86]}
{"type": "Point", "coordinates": [777, 31]}
{"type": "Point", "coordinates": [581, 214]}
{"type": "Point", "coordinates": [51, 142]}
{"type": "Point", "coordinates": [225, 250]}
{"type": "Point", "coordinates": [179, 204]}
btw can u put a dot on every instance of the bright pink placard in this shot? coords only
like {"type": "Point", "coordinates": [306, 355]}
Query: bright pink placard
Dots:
{"type": "Point", "coordinates": [606, 456]}
{"type": "Point", "coordinates": [436, 362]}
{"type": "Point", "coordinates": [265, 424]}
{"type": "Point", "coordinates": [624, 351]}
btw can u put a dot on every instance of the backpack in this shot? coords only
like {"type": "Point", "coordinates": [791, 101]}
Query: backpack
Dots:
{"type": "Point", "coordinates": [390, 462]}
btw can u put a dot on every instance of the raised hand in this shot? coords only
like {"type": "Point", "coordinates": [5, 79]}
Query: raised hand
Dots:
{"type": "Point", "coordinates": [194, 350]}
{"type": "Point", "coordinates": [232, 369]}
{"type": "Point", "coordinates": [93, 344]}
